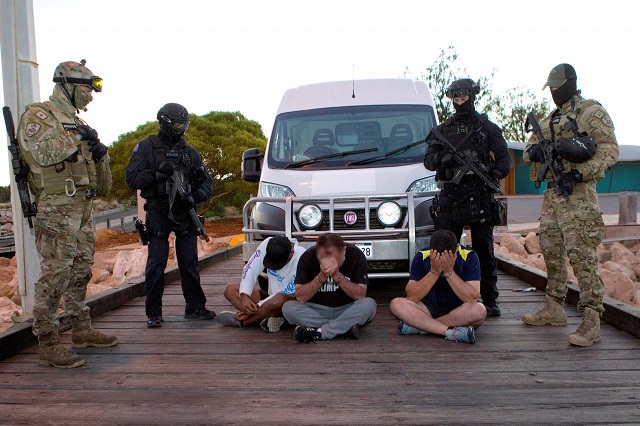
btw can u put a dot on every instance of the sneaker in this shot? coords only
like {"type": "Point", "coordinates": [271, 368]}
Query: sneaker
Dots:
{"type": "Point", "coordinates": [272, 324]}
{"type": "Point", "coordinates": [200, 314]}
{"type": "Point", "coordinates": [154, 322]}
{"type": "Point", "coordinates": [228, 318]}
{"type": "Point", "coordinates": [404, 328]}
{"type": "Point", "coordinates": [493, 310]}
{"type": "Point", "coordinates": [306, 334]}
{"type": "Point", "coordinates": [353, 333]}
{"type": "Point", "coordinates": [461, 334]}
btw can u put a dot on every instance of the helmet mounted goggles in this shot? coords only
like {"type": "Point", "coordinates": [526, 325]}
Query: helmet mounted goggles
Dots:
{"type": "Point", "coordinates": [94, 81]}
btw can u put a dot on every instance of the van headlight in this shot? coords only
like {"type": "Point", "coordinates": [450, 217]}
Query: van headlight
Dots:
{"type": "Point", "coordinates": [310, 216]}
{"type": "Point", "coordinates": [389, 213]}
{"type": "Point", "coordinates": [274, 191]}
{"type": "Point", "coordinates": [424, 185]}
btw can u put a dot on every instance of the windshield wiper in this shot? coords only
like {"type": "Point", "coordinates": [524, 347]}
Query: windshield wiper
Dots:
{"type": "Point", "coordinates": [303, 163]}
{"type": "Point", "coordinates": [388, 154]}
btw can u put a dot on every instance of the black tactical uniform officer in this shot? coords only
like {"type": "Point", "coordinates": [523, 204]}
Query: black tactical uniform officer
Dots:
{"type": "Point", "coordinates": [150, 169]}
{"type": "Point", "coordinates": [470, 202]}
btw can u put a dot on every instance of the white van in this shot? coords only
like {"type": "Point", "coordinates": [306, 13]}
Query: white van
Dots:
{"type": "Point", "coordinates": [347, 157]}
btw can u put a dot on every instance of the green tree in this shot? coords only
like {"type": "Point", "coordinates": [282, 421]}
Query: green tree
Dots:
{"type": "Point", "coordinates": [220, 137]}
{"type": "Point", "coordinates": [446, 69]}
{"type": "Point", "coordinates": [509, 109]}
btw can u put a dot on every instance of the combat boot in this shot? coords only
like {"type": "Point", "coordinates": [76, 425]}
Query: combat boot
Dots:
{"type": "Point", "coordinates": [51, 353]}
{"type": "Point", "coordinates": [88, 337]}
{"type": "Point", "coordinates": [552, 313]}
{"type": "Point", "coordinates": [588, 331]}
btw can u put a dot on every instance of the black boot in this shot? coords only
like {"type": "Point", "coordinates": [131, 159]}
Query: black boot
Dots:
{"type": "Point", "coordinates": [493, 310]}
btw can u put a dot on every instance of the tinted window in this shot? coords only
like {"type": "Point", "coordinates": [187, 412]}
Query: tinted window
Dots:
{"type": "Point", "coordinates": [301, 135]}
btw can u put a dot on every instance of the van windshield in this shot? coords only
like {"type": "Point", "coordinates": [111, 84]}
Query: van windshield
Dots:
{"type": "Point", "coordinates": [377, 130]}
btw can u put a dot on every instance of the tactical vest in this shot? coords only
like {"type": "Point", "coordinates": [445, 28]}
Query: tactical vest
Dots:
{"type": "Point", "coordinates": [64, 177]}
{"type": "Point", "coordinates": [456, 131]}
{"type": "Point", "coordinates": [161, 152]}
{"type": "Point", "coordinates": [565, 125]}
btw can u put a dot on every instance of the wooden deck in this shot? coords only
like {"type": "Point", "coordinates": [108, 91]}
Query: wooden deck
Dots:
{"type": "Point", "coordinates": [201, 373]}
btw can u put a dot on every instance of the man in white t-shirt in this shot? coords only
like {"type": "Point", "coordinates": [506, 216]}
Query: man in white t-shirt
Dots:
{"type": "Point", "coordinates": [279, 256]}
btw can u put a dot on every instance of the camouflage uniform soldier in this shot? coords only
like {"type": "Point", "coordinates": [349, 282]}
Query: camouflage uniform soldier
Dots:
{"type": "Point", "coordinates": [68, 168]}
{"type": "Point", "coordinates": [573, 226]}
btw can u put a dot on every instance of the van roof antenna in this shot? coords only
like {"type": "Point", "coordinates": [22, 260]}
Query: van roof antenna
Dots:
{"type": "Point", "coordinates": [353, 80]}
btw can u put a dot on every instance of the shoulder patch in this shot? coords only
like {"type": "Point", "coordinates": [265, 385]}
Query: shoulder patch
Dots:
{"type": "Point", "coordinates": [41, 115]}
{"type": "Point", "coordinates": [464, 253]}
{"type": "Point", "coordinates": [607, 121]}
{"type": "Point", "coordinates": [31, 129]}
{"type": "Point", "coordinates": [598, 114]}
{"type": "Point", "coordinates": [425, 254]}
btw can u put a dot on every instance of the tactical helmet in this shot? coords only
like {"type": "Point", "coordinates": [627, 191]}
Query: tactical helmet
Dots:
{"type": "Point", "coordinates": [577, 149]}
{"type": "Point", "coordinates": [174, 120]}
{"type": "Point", "coordinates": [77, 73]}
{"type": "Point", "coordinates": [462, 87]}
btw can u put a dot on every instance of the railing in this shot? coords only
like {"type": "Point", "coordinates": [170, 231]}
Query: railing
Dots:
{"type": "Point", "coordinates": [293, 228]}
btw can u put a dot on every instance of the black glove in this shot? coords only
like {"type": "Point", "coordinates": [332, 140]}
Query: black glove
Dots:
{"type": "Point", "coordinates": [448, 160]}
{"type": "Point", "coordinates": [165, 170]}
{"type": "Point", "coordinates": [494, 172]}
{"type": "Point", "coordinates": [535, 153]}
{"type": "Point", "coordinates": [86, 133]}
{"type": "Point", "coordinates": [98, 150]}
{"type": "Point", "coordinates": [567, 181]}
{"type": "Point", "coordinates": [188, 202]}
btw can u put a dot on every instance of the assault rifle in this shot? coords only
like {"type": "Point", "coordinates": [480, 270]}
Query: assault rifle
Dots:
{"type": "Point", "coordinates": [20, 169]}
{"type": "Point", "coordinates": [179, 187]}
{"type": "Point", "coordinates": [469, 162]}
{"type": "Point", "coordinates": [551, 161]}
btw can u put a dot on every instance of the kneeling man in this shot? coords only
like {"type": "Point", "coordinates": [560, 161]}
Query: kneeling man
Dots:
{"type": "Point", "coordinates": [442, 293]}
{"type": "Point", "coordinates": [280, 256]}
{"type": "Point", "coordinates": [331, 289]}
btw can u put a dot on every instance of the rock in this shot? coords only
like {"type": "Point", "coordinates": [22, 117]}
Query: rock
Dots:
{"type": "Point", "coordinates": [108, 264]}
{"type": "Point", "coordinates": [532, 243]}
{"type": "Point", "coordinates": [96, 288]}
{"type": "Point", "coordinates": [616, 284]}
{"type": "Point", "coordinates": [620, 267]}
{"type": "Point", "coordinates": [600, 252]}
{"type": "Point", "coordinates": [99, 276]}
{"type": "Point", "coordinates": [129, 265]}
{"type": "Point", "coordinates": [8, 309]}
{"type": "Point", "coordinates": [571, 276]}
{"type": "Point", "coordinates": [511, 244]}
{"type": "Point", "coordinates": [8, 281]}
{"type": "Point", "coordinates": [137, 263]}
{"type": "Point", "coordinates": [632, 297]}
{"type": "Point", "coordinates": [5, 261]}
{"type": "Point", "coordinates": [17, 299]}
{"type": "Point", "coordinates": [537, 261]}
{"type": "Point", "coordinates": [14, 262]}
{"type": "Point", "coordinates": [521, 240]}
{"type": "Point", "coordinates": [515, 257]}
{"type": "Point", "coordinates": [621, 254]}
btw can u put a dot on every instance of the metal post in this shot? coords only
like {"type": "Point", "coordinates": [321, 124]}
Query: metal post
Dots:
{"type": "Point", "coordinates": [412, 224]}
{"type": "Point", "coordinates": [288, 216]}
{"type": "Point", "coordinates": [20, 82]}
{"type": "Point", "coordinates": [628, 208]}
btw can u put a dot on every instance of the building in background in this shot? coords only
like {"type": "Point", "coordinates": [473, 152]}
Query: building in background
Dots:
{"type": "Point", "coordinates": [623, 176]}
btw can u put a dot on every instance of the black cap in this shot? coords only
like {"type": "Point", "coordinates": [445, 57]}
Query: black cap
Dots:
{"type": "Point", "coordinates": [278, 250]}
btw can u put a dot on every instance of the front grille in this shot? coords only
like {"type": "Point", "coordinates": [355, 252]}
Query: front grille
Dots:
{"type": "Point", "coordinates": [340, 225]}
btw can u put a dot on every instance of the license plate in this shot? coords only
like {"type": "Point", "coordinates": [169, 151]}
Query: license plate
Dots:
{"type": "Point", "coordinates": [366, 248]}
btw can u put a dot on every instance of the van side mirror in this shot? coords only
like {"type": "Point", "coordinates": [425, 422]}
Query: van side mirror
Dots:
{"type": "Point", "coordinates": [252, 165]}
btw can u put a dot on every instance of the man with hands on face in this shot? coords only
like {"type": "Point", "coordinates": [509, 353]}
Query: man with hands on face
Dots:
{"type": "Point", "coordinates": [442, 293]}
{"type": "Point", "coordinates": [331, 289]}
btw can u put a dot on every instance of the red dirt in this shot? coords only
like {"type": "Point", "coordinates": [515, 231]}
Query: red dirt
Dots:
{"type": "Point", "coordinates": [222, 228]}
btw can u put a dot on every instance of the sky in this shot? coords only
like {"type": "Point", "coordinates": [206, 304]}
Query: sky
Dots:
{"type": "Point", "coordinates": [242, 55]}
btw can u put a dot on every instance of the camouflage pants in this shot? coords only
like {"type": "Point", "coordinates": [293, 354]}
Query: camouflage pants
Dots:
{"type": "Point", "coordinates": [573, 228]}
{"type": "Point", "coordinates": [66, 242]}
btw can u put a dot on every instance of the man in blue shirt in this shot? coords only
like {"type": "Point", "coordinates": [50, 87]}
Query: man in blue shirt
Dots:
{"type": "Point", "coordinates": [442, 293]}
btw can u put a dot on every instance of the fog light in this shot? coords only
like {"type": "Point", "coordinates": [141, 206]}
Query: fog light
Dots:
{"type": "Point", "coordinates": [310, 216]}
{"type": "Point", "coordinates": [389, 213]}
